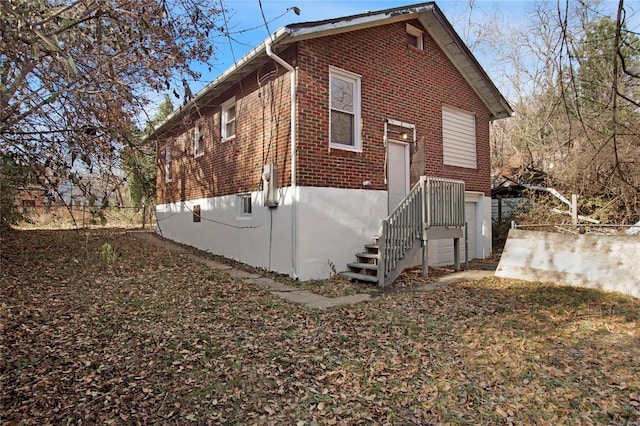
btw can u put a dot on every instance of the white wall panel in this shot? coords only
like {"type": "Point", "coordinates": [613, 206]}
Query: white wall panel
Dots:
{"type": "Point", "coordinates": [458, 138]}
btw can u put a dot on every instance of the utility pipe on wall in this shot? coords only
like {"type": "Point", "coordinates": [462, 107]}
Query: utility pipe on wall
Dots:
{"type": "Point", "coordinates": [294, 206]}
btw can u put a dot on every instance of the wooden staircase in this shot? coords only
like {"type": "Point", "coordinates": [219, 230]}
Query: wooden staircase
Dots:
{"type": "Point", "coordinates": [367, 264]}
{"type": "Point", "coordinates": [365, 268]}
{"type": "Point", "coordinates": [433, 204]}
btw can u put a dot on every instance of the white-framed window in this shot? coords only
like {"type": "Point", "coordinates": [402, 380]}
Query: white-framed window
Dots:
{"type": "Point", "coordinates": [244, 205]}
{"type": "Point", "coordinates": [198, 139]}
{"type": "Point", "coordinates": [414, 37]}
{"type": "Point", "coordinates": [344, 110]}
{"type": "Point", "coordinates": [458, 138]}
{"type": "Point", "coordinates": [167, 161]}
{"type": "Point", "coordinates": [228, 115]}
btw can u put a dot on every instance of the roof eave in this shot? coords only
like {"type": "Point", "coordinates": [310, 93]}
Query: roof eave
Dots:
{"type": "Point", "coordinates": [314, 29]}
{"type": "Point", "coordinates": [214, 87]}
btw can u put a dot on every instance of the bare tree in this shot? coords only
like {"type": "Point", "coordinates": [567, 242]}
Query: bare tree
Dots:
{"type": "Point", "coordinates": [575, 90]}
{"type": "Point", "coordinates": [75, 74]}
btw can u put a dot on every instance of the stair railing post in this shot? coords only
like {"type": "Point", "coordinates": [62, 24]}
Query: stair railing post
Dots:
{"type": "Point", "coordinates": [423, 226]}
{"type": "Point", "coordinates": [382, 243]}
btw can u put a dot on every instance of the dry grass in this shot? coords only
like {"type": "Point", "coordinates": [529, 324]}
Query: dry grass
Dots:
{"type": "Point", "coordinates": [151, 336]}
{"type": "Point", "coordinates": [60, 217]}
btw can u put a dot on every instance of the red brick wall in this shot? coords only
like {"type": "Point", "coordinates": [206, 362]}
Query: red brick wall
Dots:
{"type": "Point", "coordinates": [233, 166]}
{"type": "Point", "coordinates": [398, 82]}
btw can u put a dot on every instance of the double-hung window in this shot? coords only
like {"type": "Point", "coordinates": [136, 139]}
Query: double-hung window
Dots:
{"type": "Point", "coordinates": [228, 119]}
{"type": "Point", "coordinates": [344, 110]}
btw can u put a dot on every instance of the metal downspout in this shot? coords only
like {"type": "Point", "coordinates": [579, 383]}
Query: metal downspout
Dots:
{"type": "Point", "coordinates": [294, 204]}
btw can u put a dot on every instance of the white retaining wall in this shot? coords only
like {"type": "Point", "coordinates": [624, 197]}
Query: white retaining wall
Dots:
{"type": "Point", "coordinates": [604, 262]}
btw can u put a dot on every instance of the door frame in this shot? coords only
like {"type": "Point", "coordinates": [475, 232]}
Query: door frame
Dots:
{"type": "Point", "coordinates": [400, 133]}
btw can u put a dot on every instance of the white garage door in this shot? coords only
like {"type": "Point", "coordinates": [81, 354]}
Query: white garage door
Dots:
{"type": "Point", "coordinates": [445, 247]}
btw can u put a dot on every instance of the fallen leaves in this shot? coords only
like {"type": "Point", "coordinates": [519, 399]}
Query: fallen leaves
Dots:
{"type": "Point", "coordinates": [154, 337]}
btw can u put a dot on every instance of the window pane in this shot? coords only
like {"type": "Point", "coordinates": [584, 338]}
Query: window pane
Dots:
{"type": "Point", "coordinates": [412, 40]}
{"type": "Point", "coordinates": [245, 205]}
{"type": "Point", "coordinates": [230, 129]}
{"type": "Point", "coordinates": [198, 139]}
{"type": "Point", "coordinates": [341, 94]}
{"type": "Point", "coordinates": [231, 113]}
{"type": "Point", "coordinates": [341, 128]}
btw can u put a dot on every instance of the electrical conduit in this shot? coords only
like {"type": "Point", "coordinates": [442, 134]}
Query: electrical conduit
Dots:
{"type": "Point", "coordinates": [294, 204]}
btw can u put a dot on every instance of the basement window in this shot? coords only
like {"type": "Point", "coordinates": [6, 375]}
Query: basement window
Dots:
{"type": "Point", "coordinates": [244, 205]}
{"type": "Point", "coordinates": [414, 37]}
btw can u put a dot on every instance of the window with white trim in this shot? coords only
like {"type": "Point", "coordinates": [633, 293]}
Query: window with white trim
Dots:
{"type": "Point", "coordinates": [414, 37]}
{"type": "Point", "coordinates": [198, 139]}
{"type": "Point", "coordinates": [167, 161]}
{"type": "Point", "coordinates": [244, 205]}
{"type": "Point", "coordinates": [344, 110]}
{"type": "Point", "coordinates": [458, 138]}
{"type": "Point", "coordinates": [228, 119]}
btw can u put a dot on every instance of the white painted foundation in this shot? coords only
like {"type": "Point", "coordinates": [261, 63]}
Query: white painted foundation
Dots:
{"type": "Point", "coordinates": [333, 225]}
{"type": "Point", "coordinates": [262, 240]}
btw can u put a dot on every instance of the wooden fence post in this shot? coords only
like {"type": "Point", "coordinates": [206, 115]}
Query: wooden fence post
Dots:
{"type": "Point", "coordinates": [144, 215]}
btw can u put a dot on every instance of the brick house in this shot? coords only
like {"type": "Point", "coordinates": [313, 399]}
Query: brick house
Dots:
{"type": "Point", "coordinates": [290, 159]}
{"type": "Point", "coordinates": [30, 197]}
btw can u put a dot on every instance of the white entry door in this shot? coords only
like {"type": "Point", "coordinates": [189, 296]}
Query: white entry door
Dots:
{"type": "Point", "coordinates": [398, 170]}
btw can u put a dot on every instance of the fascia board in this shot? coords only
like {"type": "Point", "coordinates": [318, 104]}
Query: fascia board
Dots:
{"type": "Point", "coordinates": [329, 27]}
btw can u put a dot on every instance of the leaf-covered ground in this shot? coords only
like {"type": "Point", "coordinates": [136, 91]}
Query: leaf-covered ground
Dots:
{"type": "Point", "coordinates": [144, 335]}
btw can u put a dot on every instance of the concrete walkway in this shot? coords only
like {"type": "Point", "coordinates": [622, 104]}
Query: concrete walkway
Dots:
{"type": "Point", "coordinates": [295, 294]}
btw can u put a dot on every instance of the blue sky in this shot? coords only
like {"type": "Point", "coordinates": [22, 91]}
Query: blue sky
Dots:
{"type": "Point", "coordinates": [245, 14]}
{"type": "Point", "coordinates": [247, 26]}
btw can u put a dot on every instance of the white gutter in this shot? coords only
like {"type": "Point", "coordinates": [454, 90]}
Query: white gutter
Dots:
{"type": "Point", "coordinates": [294, 204]}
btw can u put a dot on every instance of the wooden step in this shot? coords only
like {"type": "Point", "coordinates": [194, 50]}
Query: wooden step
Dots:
{"type": "Point", "coordinates": [370, 258]}
{"type": "Point", "coordinates": [367, 255]}
{"type": "Point", "coordinates": [359, 277]}
{"type": "Point", "coordinates": [369, 266]}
